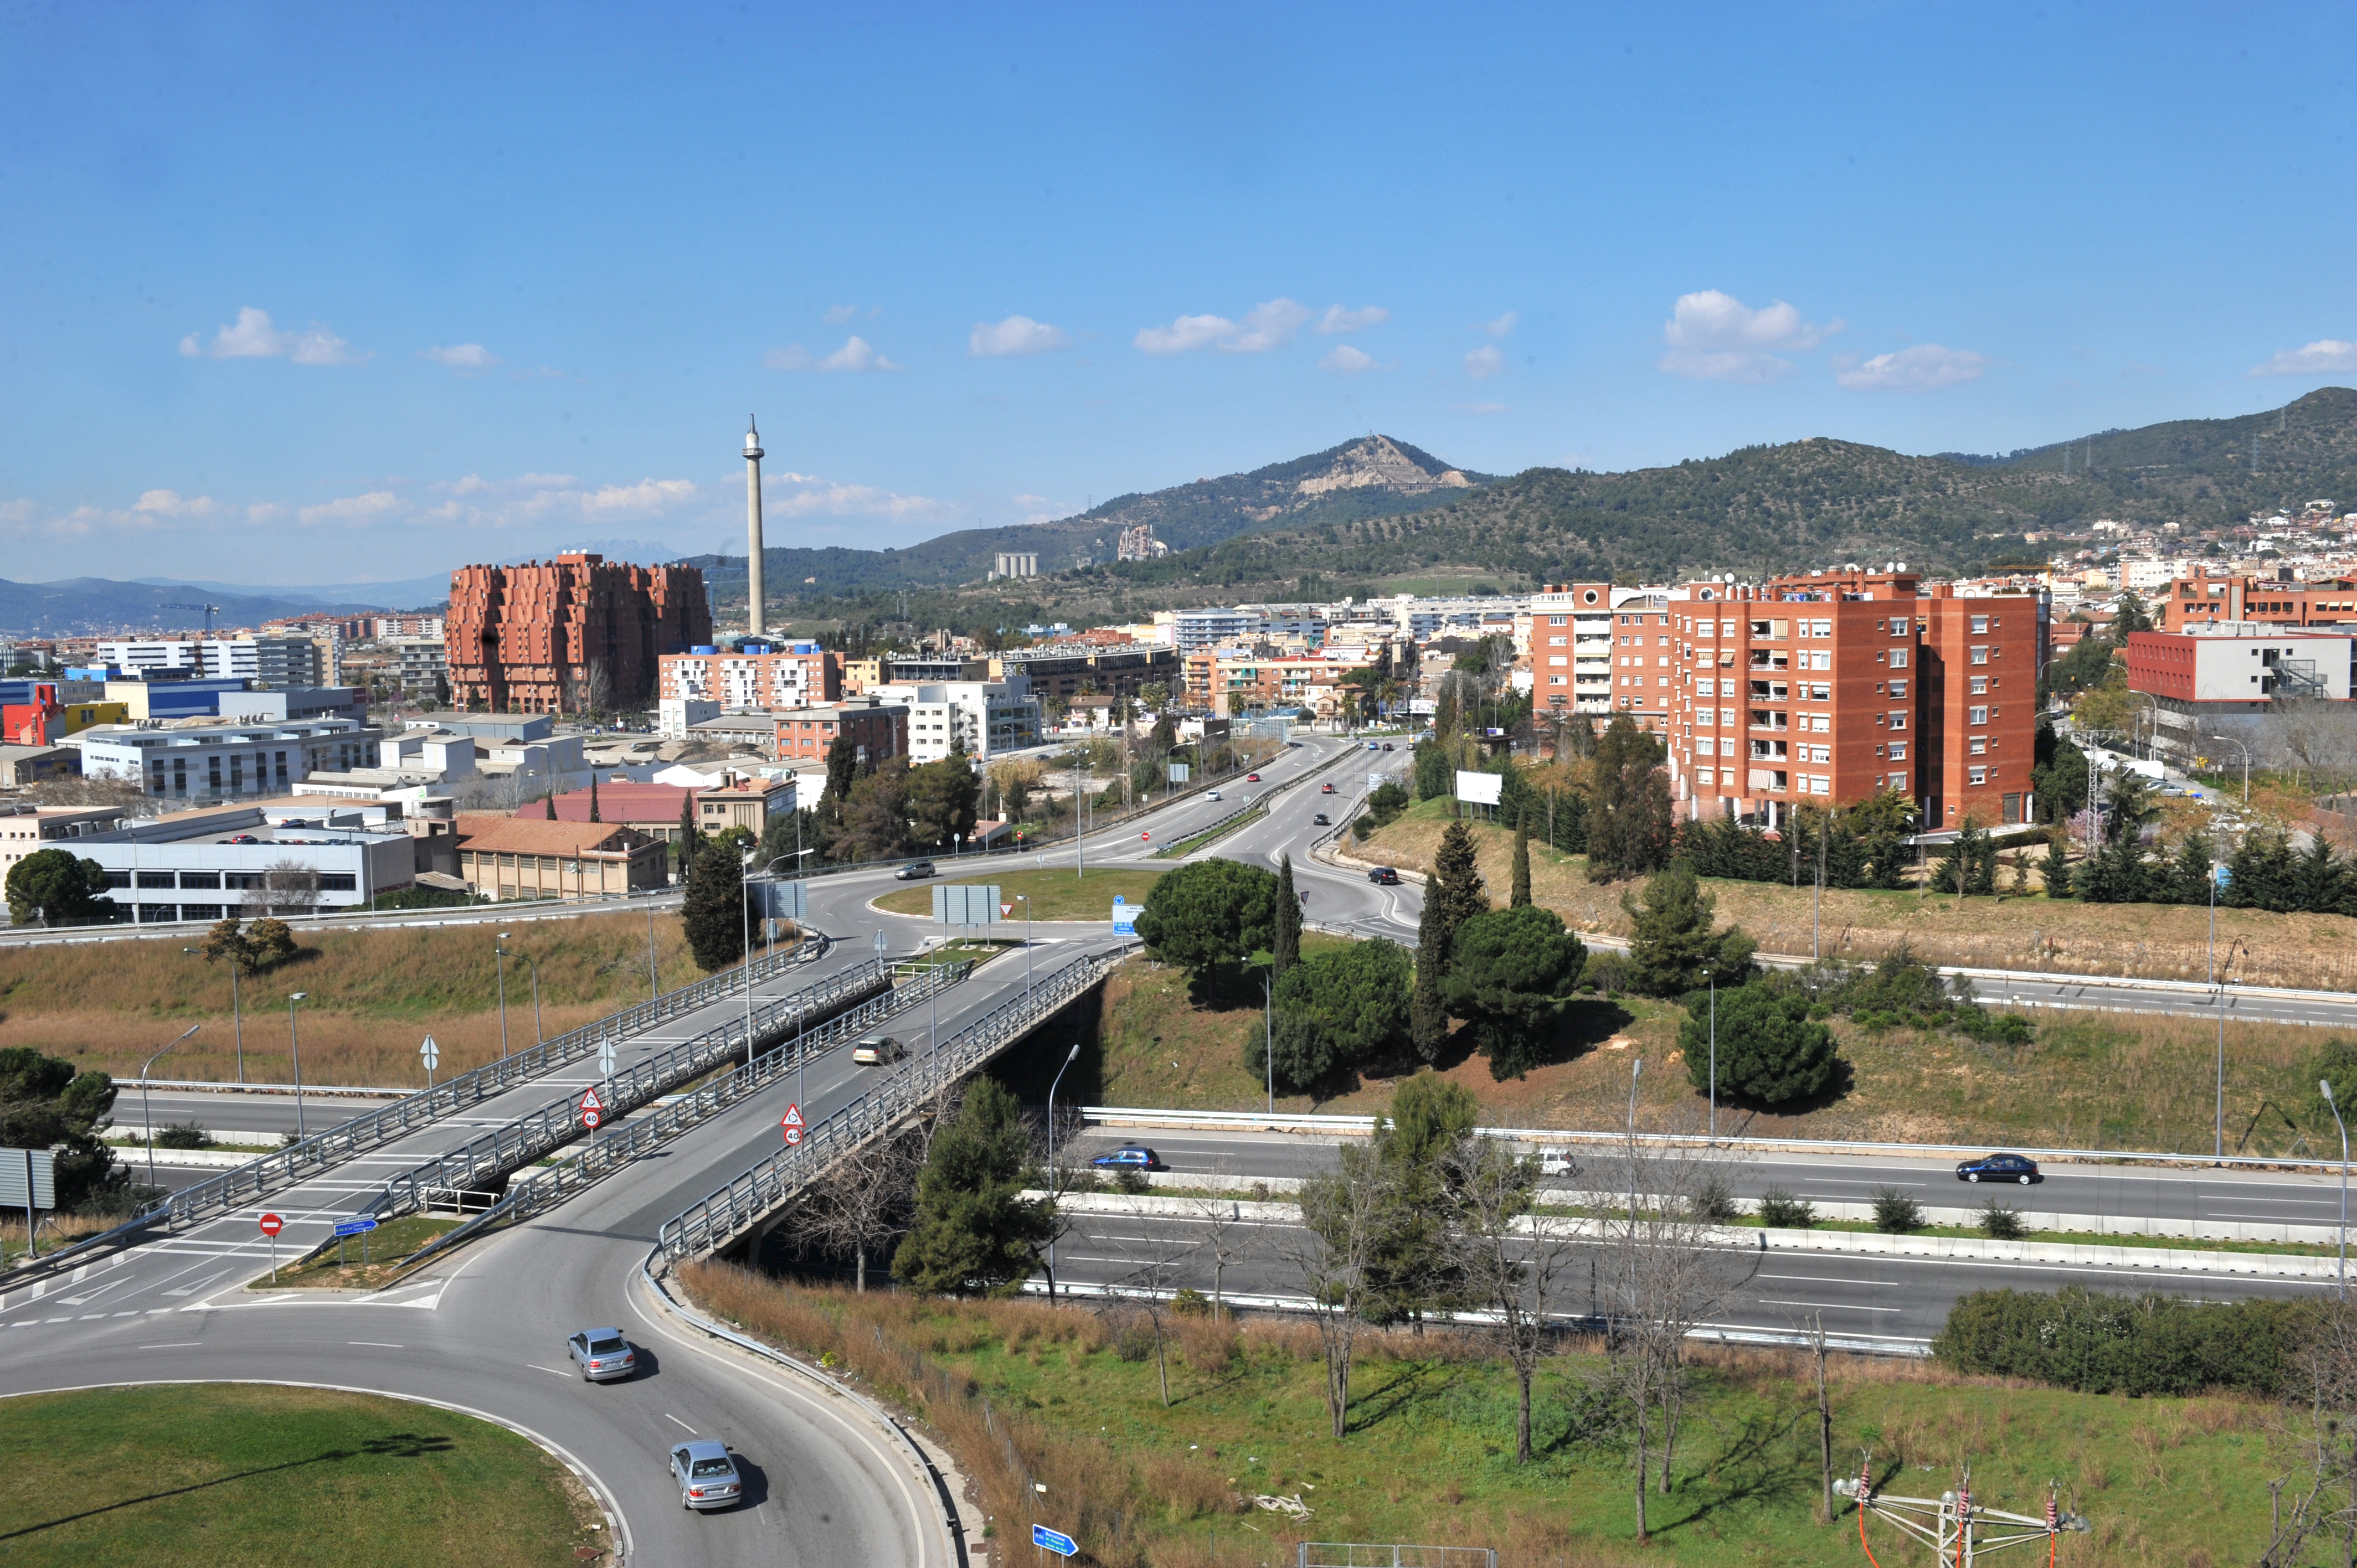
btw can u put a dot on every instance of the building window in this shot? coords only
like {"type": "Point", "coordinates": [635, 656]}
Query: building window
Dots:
{"type": "Point", "coordinates": [1899, 688]}
{"type": "Point", "coordinates": [1980, 655]}
{"type": "Point", "coordinates": [1704, 776]}
{"type": "Point", "coordinates": [1897, 721]}
{"type": "Point", "coordinates": [1979, 747]}
{"type": "Point", "coordinates": [1976, 775]}
{"type": "Point", "coordinates": [1976, 715]}
{"type": "Point", "coordinates": [1980, 626]}
{"type": "Point", "coordinates": [1980, 685]}
{"type": "Point", "coordinates": [1898, 658]}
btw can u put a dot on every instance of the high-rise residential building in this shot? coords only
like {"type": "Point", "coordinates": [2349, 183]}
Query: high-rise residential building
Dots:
{"type": "Point", "coordinates": [2215, 601]}
{"type": "Point", "coordinates": [1567, 638]}
{"type": "Point", "coordinates": [755, 675]}
{"type": "Point", "coordinates": [1831, 688]}
{"type": "Point", "coordinates": [568, 634]}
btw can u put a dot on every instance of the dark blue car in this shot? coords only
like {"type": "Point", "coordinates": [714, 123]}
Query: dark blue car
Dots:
{"type": "Point", "coordinates": [1129, 1156]}
{"type": "Point", "coordinates": [1998, 1167]}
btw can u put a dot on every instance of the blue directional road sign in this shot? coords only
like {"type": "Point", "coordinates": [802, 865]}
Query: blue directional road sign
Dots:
{"type": "Point", "coordinates": [1124, 916]}
{"type": "Point", "coordinates": [2226, 875]}
{"type": "Point", "coordinates": [1055, 1541]}
{"type": "Point", "coordinates": [357, 1224]}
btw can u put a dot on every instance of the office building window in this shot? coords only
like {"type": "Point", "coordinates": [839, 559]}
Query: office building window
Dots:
{"type": "Point", "coordinates": [1976, 715]}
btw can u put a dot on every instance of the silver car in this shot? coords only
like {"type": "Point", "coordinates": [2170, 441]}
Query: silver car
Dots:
{"type": "Point", "coordinates": [602, 1354]}
{"type": "Point", "coordinates": [706, 1474]}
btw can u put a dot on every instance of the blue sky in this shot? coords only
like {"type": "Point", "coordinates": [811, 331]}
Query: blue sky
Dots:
{"type": "Point", "coordinates": [300, 294]}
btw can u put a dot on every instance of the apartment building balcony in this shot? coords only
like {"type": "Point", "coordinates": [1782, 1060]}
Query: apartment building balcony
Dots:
{"type": "Point", "coordinates": [1769, 751]}
{"type": "Point", "coordinates": [1768, 781]}
{"type": "Point", "coordinates": [1768, 719]}
{"type": "Point", "coordinates": [1770, 659]}
{"type": "Point", "coordinates": [1769, 691]}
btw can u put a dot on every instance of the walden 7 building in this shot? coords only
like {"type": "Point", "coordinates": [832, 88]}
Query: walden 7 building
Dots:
{"type": "Point", "coordinates": [1830, 689]}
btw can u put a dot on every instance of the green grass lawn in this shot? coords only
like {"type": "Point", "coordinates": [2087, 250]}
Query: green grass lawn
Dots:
{"type": "Point", "coordinates": [388, 1244]}
{"type": "Point", "coordinates": [1054, 892]}
{"type": "Point", "coordinates": [216, 1473]}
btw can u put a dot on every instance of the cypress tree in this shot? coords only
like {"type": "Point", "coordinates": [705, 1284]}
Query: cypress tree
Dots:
{"type": "Point", "coordinates": [1428, 1015]}
{"type": "Point", "coordinates": [712, 915]}
{"type": "Point", "coordinates": [688, 841]}
{"type": "Point", "coordinates": [593, 798]}
{"type": "Point", "coordinates": [1520, 897]}
{"type": "Point", "coordinates": [2058, 868]}
{"type": "Point", "coordinates": [1286, 948]}
{"type": "Point", "coordinates": [549, 802]}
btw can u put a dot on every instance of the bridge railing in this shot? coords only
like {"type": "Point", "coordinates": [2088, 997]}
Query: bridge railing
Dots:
{"type": "Point", "coordinates": [729, 1213]}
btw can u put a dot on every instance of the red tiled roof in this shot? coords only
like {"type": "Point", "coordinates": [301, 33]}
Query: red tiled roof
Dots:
{"type": "Point", "coordinates": [620, 801]}
{"type": "Point", "coordinates": [486, 832]}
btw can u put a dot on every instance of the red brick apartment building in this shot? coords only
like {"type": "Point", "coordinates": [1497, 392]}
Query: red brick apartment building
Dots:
{"type": "Point", "coordinates": [792, 675]}
{"type": "Point", "coordinates": [2213, 601]}
{"type": "Point", "coordinates": [1832, 688]}
{"type": "Point", "coordinates": [880, 729]}
{"type": "Point", "coordinates": [564, 635]}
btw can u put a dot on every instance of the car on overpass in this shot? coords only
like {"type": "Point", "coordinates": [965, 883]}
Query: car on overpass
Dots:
{"type": "Point", "coordinates": [1326, 789]}
{"type": "Point", "coordinates": [707, 1474]}
{"type": "Point", "coordinates": [1319, 820]}
{"type": "Point", "coordinates": [1998, 1167]}
{"type": "Point", "coordinates": [1251, 778]}
{"type": "Point", "coordinates": [878, 1050]}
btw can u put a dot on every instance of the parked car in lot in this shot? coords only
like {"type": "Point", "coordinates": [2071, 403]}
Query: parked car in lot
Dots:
{"type": "Point", "coordinates": [1130, 1157]}
{"type": "Point", "coordinates": [707, 1474]}
{"type": "Point", "coordinates": [1319, 820]}
{"type": "Point", "coordinates": [915, 871]}
{"type": "Point", "coordinates": [879, 1050]}
{"type": "Point", "coordinates": [1998, 1167]}
{"type": "Point", "coordinates": [602, 1354]}
{"type": "Point", "coordinates": [1384, 876]}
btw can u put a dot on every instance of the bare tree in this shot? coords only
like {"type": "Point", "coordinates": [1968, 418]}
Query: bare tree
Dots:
{"type": "Point", "coordinates": [1223, 1241]}
{"type": "Point", "coordinates": [1825, 1419]}
{"type": "Point", "coordinates": [2323, 1437]}
{"type": "Point", "coordinates": [865, 1197]}
{"type": "Point", "coordinates": [1146, 1286]}
{"type": "Point", "coordinates": [1333, 1255]}
{"type": "Point", "coordinates": [288, 888]}
{"type": "Point", "coordinates": [1507, 1261]}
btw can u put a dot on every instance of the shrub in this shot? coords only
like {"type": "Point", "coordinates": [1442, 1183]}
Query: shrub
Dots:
{"type": "Point", "coordinates": [182, 1135]}
{"type": "Point", "coordinates": [1190, 1303]}
{"type": "Point", "coordinates": [2000, 1223]}
{"type": "Point", "coordinates": [2079, 1338]}
{"type": "Point", "coordinates": [1769, 1052]}
{"type": "Point", "coordinates": [1896, 1212]}
{"type": "Point", "coordinates": [1606, 974]}
{"type": "Point", "coordinates": [1129, 1179]}
{"type": "Point", "coordinates": [1781, 1211]}
{"type": "Point", "coordinates": [1714, 1199]}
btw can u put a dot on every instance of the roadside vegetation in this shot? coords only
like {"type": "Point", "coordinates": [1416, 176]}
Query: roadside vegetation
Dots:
{"type": "Point", "coordinates": [198, 1475]}
{"type": "Point", "coordinates": [1055, 892]}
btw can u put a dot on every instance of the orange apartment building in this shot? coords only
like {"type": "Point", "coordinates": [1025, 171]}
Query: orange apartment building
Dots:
{"type": "Point", "coordinates": [878, 729]}
{"type": "Point", "coordinates": [2213, 601]}
{"type": "Point", "coordinates": [1832, 688]}
{"type": "Point", "coordinates": [1230, 682]}
{"type": "Point", "coordinates": [566, 635]}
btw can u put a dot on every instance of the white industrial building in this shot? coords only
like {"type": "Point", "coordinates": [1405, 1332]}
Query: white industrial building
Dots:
{"type": "Point", "coordinates": [285, 855]}
{"type": "Point", "coordinates": [206, 759]}
{"type": "Point", "coordinates": [985, 719]}
{"type": "Point", "coordinates": [265, 660]}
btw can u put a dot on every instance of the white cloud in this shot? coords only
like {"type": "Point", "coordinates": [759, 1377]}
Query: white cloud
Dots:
{"type": "Point", "coordinates": [172, 503]}
{"type": "Point", "coordinates": [1263, 328]}
{"type": "Point", "coordinates": [1338, 319]}
{"type": "Point", "coordinates": [836, 315]}
{"type": "Point", "coordinates": [2325, 356]}
{"type": "Point", "coordinates": [1927, 367]}
{"type": "Point", "coordinates": [1015, 335]}
{"type": "Point", "coordinates": [1483, 362]}
{"type": "Point", "coordinates": [462, 357]}
{"type": "Point", "coordinates": [1715, 337]}
{"type": "Point", "coordinates": [1502, 324]}
{"type": "Point", "coordinates": [1480, 408]}
{"type": "Point", "coordinates": [1346, 360]}
{"type": "Point", "coordinates": [254, 337]}
{"type": "Point", "coordinates": [802, 495]}
{"type": "Point", "coordinates": [857, 354]}
{"type": "Point", "coordinates": [355, 511]}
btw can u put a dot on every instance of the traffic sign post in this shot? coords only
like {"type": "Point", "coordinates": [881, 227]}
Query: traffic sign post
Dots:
{"type": "Point", "coordinates": [359, 1225]}
{"type": "Point", "coordinates": [606, 1059]}
{"type": "Point", "coordinates": [593, 1112]}
{"type": "Point", "coordinates": [1054, 1541]}
{"type": "Point", "coordinates": [271, 1225]}
{"type": "Point", "coordinates": [431, 1055]}
{"type": "Point", "coordinates": [791, 1121]}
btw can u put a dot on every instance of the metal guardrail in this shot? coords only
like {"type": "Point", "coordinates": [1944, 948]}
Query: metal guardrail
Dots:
{"type": "Point", "coordinates": [611, 1151]}
{"type": "Point", "coordinates": [538, 1133]}
{"type": "Point", "coordinates": [252, 1181]}
{"type": "Point", "coordinates": [716, 1220]}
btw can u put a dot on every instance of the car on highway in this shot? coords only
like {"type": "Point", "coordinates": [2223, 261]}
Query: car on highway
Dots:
{"type": "Point", "coordinates": [1210, 794]}
{"type": "Point", "coordinates": [1557, 1162]}
{"type": "Point", "coordinates": [707, 1474]}
{"type": "Point", "coordinates": [915, 871]}
{"type": "Point", "coordinates": [1129, 1157]}
{"type": "Point", "coordinates": [1388, 747]}
{"type": "Point", "coordinates": [1326, 789]}
{"type": "Point", "coordinates": [1319, 820]}
{"type": "Point", "coordinates": [1251, 778]}
{"type": "Point", "coordinates": [1374, 745]}
{"type": "Point", "coordinates": [602, 1355]}
{"type": "Point", "coordinates": [240, 838]}
{"type": "Point", "coordinates": [1384, 876]}
{"type": "Point", "coordinates": [1998, 1167]}
{"type": "Point", "coordinates": [879, 1050]}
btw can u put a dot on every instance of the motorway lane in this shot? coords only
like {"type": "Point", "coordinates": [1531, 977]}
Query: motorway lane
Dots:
{"type": "Point", "coordinates": [2095, 1191]}
{"type": "Point", "coordinates": [228, 1112]}
{"type": "Point", "coordinates": [1897, 1298]}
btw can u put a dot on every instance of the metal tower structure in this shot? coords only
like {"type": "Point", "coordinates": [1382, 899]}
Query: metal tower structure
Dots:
{"type": "Point", "coordinates": [1959, 1531]}
{"type": "Point", "coordinates": [755, 626]}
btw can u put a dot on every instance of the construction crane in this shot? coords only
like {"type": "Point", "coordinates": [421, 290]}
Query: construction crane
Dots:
{"type": "Point", "coordinates": [209, 610]}
{"type": "Point", "coordinates": [1959, 1531]}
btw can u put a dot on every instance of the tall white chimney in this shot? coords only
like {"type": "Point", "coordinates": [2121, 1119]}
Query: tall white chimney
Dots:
{"type": "Point", "coordinates": [754, 624]}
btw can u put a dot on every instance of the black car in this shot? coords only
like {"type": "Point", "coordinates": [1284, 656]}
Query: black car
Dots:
{"type": "Point", "coordinates": [1384, 876]}
{"type": "Point", "coordinates": [1129, 1156]}
{"type": "Point", "coordinates": [1998, 1167]}
{"type": "Point", "coordinates": [1319, 820]}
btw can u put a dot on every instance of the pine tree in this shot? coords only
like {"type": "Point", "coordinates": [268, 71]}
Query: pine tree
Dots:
{"type": "Point", "coordinates": [1519, 897]}
{"type": "Point", "coordinates": [549, 802]}
{"type": "Point", "coordinates": [974, 1233]}
{"type": "Point", "coordinates": [593, 800]}
{"type": "Point", "coordinates": [1456, 881]}
{"type": "Point", "coordinates": [712, 915]}
{"type": "Point", "coordinates": [2058, 867]}
{"type": "Point", "coordinates": [1673, 942]}
{"type": "Point", "coordinates": [1286, 949]}
{"type": "Point", "coordinates": [1428, 1015]}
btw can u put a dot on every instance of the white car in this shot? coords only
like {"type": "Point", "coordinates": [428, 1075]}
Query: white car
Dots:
{"type": "Point", "coordinates": [1210, 794]}
{"type": "Point", "coordinates": [878, 1050]}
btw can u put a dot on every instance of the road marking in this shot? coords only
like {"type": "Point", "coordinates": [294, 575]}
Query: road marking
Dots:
{"type": "Point", "coordinates": [175, 1345]}
{"type": "Point", "coordinates": [376, 1344]}
{"type": "Point", "coordinates": [550, 1370]}
{"type": "Point", "coordinates": [1828, 1305]}
{"type": "Point", "coordinates": [682, 1425]}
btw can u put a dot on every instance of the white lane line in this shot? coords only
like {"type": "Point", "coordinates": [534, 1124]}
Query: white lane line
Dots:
{"type": "Point", "coordinates": [1828, 1305]}
{"type": "Point", "coordinates": [550, 1370]}
{"type": "Point", "coordinates": [175, 1345]}
{"type": "Point", "coordinates": [1817, 1279]}
{"type": "Point", "coordinates": [376, 1344]}
{"type": "Point", "coordinates": [682, 1425]}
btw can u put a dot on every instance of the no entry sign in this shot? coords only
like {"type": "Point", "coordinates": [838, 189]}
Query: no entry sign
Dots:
{"type": "Point", "coordinates": [272, 1225]}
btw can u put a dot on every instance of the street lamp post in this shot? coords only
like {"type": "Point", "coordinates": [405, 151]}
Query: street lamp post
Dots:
{"type": "Point", "coordinates": [1024, 901]}
{"type": "Point", "coordinates": [236, 1013]}
{"type": "Point", "coordinates": [2325, 1086]}
{"type": "Point", "coordinates": [500, 962]}
{"type": "Point", "coordinates": [295, 1047]}
{"type": "Point", "coordinates": [149, 1116]}
{"type": "Point", "coordinates": [1072, 1057]}
{"type": "Point", "coordinates": [539, 1035]}
{"type": "Point", "coordinates": [654, 985]}
{"type": "Point", "coordinates": [2218, 1150]}
{"type": "Point", "coordinates": [1712, 975]}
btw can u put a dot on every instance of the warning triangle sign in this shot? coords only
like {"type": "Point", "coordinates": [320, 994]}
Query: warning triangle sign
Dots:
{"type": "Point", "coordinates": [589, 1102]}
{"type": "Point", "coordinates": [1005, 910]}
{"type": "Point", "coordinates": [793, 1117]}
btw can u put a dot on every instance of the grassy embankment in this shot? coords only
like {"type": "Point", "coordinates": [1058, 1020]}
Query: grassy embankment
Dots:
{"type": "Point", "coordinates": [1074, 1404]}
{"type": "Point", "coordinates": [360, 1263]}
{"type": "Point", "coordinates": [372, 996]}
{"type": "Point", "coordinates": [1055, 893]}
{"type": "Point", "coordinates": [211, 1473]}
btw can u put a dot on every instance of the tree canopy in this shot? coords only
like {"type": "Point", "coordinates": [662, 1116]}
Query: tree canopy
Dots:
{"type": "Point", "coordinates": [1629, 823]}
{"type": "Point", "coordinates": [1336, 1011]}
{"type": "Point", "coordinates": [1209, 912]}
{"type": "Point", "coordinates": [46, 1104]}
{"type": "Point", "coordinates": [1673, 943]}
{"type": "Point", "coordinates": [1510, 977]}
{"type": "Point", "coordinates": [51, 887]}
{"type": "Point", "coordinates": [974, 1233]}
{"type": "Point", "coordinates": [712, 916]}
{"type": "Point", "coordinates": [1770, 1053]}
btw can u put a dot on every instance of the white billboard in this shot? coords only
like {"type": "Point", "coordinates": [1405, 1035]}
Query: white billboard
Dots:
{"type": "Point", "coordinates": [1480, 789]}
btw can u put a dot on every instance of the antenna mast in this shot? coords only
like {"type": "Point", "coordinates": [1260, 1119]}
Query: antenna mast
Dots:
{"type": "Point", "coordinates": [1959, 1531]}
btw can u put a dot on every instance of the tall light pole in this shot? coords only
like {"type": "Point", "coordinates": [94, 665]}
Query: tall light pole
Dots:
{"type": "Point", "coordinates": [654, 985]}
{"type": "Point", "coordinates": [1072, 1057]}
{"type": "Point", "coordinates": [1712, 975]}
{"type": "Point", "coordinates": [2325, 1086]}
{"type": "Point", "coordinates": [744, 918]}
{"type": "Point", "coordinates": [500, 962]}
{"type": "Point", "coordinates": [1079, 853]}
{"type": "Point", "coordinates": [539, 1037]}
{"type": "Point", "coordinates": [295, 1047]}
{"type": "Point", "coordinates": [2218, 873]}
{"type": "Point", "coordinates": [149, 1116]}
{"type": "Point", "coordinates": [1025, 901]}
{"type": "Point", "coordinates": [236, 1014]}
